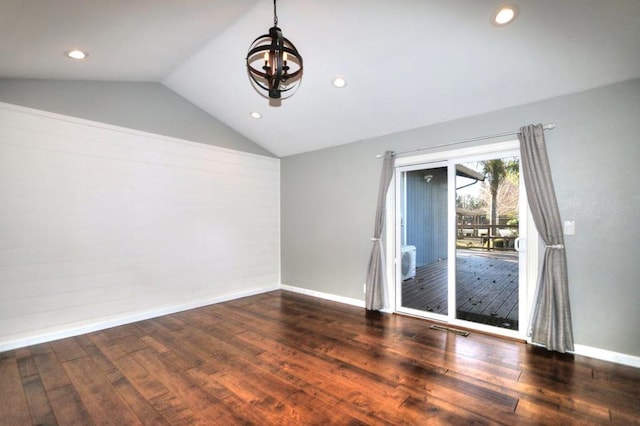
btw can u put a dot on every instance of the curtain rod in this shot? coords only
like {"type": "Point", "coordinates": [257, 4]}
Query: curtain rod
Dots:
{"type": "Point", "coordinates": [549, 126]}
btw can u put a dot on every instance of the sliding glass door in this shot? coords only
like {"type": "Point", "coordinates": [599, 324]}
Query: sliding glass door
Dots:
{"type": "Point", "coordinates": [460, 224]}
{"type": "Point", "coordinates": [424, 239]}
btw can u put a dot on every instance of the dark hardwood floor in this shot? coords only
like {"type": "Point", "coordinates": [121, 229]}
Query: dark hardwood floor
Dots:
{"type": "Point", "coordinates": [283, 358]}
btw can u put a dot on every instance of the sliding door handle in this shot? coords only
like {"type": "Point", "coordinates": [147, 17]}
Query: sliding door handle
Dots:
{"type": "Point", "coordinates": [519, 244]}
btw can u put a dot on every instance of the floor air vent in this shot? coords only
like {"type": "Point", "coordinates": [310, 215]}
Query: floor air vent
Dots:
{"type": "Point", "coordinates": [452, 330]}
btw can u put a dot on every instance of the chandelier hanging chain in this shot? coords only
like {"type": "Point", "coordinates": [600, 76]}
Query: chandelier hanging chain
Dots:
{"type": "Point", "coordinates": [275, 14]}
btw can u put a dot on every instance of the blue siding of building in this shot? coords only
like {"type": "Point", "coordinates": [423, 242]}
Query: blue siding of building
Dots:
{"type": "Point", "coordinates": [426, 214]}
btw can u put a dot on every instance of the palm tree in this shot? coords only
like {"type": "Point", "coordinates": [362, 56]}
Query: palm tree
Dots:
{"type": "Point", "coordinates": [495, 172]}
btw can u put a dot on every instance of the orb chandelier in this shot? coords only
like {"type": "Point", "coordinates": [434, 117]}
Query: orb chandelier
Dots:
{"type": "Point", "coordinates": [273, 63]}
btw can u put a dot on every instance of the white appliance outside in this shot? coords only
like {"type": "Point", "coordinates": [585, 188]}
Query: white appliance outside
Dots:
{"type": "Point", "coordinates": [408, 262]}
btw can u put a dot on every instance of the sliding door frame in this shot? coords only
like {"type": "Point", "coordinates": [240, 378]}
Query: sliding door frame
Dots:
{"type": "Point", "coordinates": [393, 236]}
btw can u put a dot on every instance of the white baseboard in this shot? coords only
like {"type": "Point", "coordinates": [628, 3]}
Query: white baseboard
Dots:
{"type": "Point", "coordinates": [71, 330]}
{"type": "Point", "coordinates": [75, 330]}
{"type": "Point", "coordinates": [605, 355]}
{"type": "Point", "coordinates": [327, 296]}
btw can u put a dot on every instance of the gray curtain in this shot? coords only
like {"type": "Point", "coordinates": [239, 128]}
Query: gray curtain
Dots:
{"type": "Point", "coordinates": [376, 279]}
{"type": "Point", "coordinates": [551, 317]}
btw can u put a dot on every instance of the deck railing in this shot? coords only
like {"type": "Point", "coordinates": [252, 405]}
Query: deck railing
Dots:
{"type": "Point", "coordinates": [491, 237]}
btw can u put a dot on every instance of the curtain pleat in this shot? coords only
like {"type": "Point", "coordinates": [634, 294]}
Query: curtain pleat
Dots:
{"type": "Point", "coordinates": [376, 277]}
{"type": "Point", "coordinates": [551, 318]}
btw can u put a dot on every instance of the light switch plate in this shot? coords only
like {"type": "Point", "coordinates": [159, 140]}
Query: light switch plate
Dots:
{"type": "Point", "coordinates": [569, 227]}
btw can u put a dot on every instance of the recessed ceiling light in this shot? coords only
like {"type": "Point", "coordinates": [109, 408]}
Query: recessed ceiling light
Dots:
{"type": "Point", "coordinates": [339, 81]}
{"type": "Point", "coordinates": [255, 115]}
{"type": "Point", "coordinates": [76, 54]}
{"type": "Point", "coordinates": [504, 15]}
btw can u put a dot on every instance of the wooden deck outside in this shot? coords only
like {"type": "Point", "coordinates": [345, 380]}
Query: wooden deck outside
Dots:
{"type": "Point", "coordinates": [487, 288]}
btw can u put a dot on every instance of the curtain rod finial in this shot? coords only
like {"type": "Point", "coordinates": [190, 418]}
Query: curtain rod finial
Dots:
{"type": "Point", "coordinates": [549, 126]}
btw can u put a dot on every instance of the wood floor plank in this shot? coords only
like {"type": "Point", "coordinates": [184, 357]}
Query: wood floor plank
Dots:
{"type": "Point", "coordinates": [13, 402]}
{"type": "Point", "coordinates": [235, 361]}
{"type": "Point", "coordinates": [550, 398]}
{"type": "Point", "coordinates": [241, 357]}
{"type": "Point", "coordinates": [27, 367]}
{"type": "Point", "coordinates": [51, 372]}
{"type": "Point", "coordinates": [181, 355]}
{"type": "Point", "coordinates": [242, 407]}
{"type": "Point", "coordinates": [144, 382]}
{"type": "Point", "coordinates": [154, 344]}
{"type": "Point", "coordinates": [271, 405]}
{"type": "Point", "coordinates": [138, 403]}
{"type": "Point", "coordinates": [68, 407]}
{"type": "Point", "coordinates": [39, 406]}
{"type": "Point", "coordinates": [98, 395]}
{"type": "Point", "coordinates": [204, 406]}
{"type": "Point", "coordinates": [202, 317]}
{"type": "Point", "coordinates": [175, 410]}
{"type": "Point", "coordinates": [67, 349]}
{"type": "Point", "coordinates": [282, 358]}
{"type": "Point", "coordinates": [466, 395]}
{"type": "Point", "coordinates": [134, 372]}
{"type": "Point", "coordinates": [169, 322]}
{"type": "Point", "coordinates": [440, 357]}
{"type": "Point", "coordinates": [624, 418]}
{"type": "Point", "coordinates": [130, 343]}
{"type": "Point", "coordinates": [107, 346]}
{"type": "Point", "coordinates": [337, 384]}
{"type": "Point", "coordinates": [419, 409]}
{"type": "Point", "coordinates": [547, 415]}
{"type": "Point", "coordinates": [592, 396]}
{"type": "Point", "coordinates": [100, 359]}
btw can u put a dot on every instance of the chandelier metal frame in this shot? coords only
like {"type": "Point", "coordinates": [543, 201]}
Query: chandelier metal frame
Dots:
{"type": "Point", "coordinates": [281, 69]}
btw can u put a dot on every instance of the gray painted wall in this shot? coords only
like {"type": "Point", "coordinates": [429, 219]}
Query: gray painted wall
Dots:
{"type": "Point", "coordinates": [328, 205]}
{"type": "Point", "coordinates": [150, 107]}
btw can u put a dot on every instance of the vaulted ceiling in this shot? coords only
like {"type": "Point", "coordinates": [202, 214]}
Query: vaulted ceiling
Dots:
{"type": "Point", "coordinates": [408, 63]}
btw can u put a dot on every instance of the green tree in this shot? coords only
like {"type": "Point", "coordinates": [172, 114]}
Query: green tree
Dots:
{"type": "Point", "coordinates": [496, 171]}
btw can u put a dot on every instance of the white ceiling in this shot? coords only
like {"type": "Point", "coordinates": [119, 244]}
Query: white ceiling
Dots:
{"type": "Point", "coordinates": [408, 63]}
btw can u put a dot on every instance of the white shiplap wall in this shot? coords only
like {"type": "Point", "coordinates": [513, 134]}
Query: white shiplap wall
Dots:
{"type": "Point", "coordinates": [101, 225]}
